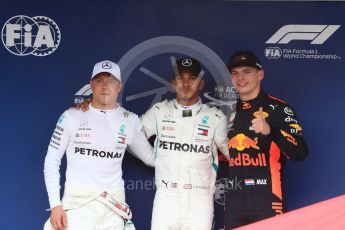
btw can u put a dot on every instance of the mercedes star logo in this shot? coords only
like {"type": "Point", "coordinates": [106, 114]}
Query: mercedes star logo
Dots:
{"type": "Point", "coordinates": [187, 62]}
{"type": "Point", "coordinates": [106, 65]}
{"type": "Point", "coordinates": [169, 115]}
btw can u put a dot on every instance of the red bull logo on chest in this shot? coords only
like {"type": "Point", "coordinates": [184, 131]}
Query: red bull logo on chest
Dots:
{"type": "Point", "coordinates": [244, 159]}
{"type": "Point", "coordinates": [241, 142]}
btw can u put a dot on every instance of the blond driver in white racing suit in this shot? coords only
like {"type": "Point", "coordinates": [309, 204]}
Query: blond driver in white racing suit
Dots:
{"type": "Point", "coordinates": [95, 142]}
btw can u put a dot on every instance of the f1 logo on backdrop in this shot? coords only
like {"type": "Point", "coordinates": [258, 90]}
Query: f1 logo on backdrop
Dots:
{"type": "Point", "coordinates": [317, 34]}
{"type": "Point", "coordinates": [23, 35]}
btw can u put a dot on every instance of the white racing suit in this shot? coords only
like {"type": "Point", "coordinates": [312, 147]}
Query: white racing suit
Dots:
{"type": "Point", "coordinates": [95, 142]}
{"type": "Point", "coordinates": [186, 164]}
{"type": "Point", "coordinates": [85, 209]}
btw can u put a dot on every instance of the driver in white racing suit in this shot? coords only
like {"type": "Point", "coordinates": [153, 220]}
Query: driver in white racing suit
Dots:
{"type": "Point", "coordinates": [95, 142]}
{"type": "Point", "coordinates": [188, 134]}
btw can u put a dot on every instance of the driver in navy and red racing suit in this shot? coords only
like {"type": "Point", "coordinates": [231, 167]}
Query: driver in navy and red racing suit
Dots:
{"type": "Point", "coordinates": [257, 155]}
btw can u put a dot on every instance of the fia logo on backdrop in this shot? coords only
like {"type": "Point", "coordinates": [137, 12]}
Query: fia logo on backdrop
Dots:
{"type": "Point", "coordinates": [22, 35]}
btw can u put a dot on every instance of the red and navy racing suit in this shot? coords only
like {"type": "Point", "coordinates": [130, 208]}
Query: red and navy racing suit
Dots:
{"type": "Point", "coordinates": [254, 189]}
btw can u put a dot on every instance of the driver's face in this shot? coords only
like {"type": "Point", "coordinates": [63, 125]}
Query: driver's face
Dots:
{"type": "Point", "coordinates": [187, 88]}
{"type": "Point", "coordinates": [105, 88]}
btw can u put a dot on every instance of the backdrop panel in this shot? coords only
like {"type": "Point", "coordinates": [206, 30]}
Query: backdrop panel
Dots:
{"type": "Point", "coordinates": [49, 47]}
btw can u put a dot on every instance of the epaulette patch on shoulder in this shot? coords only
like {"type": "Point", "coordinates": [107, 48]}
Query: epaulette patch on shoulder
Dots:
{"type": "Point", "coordinates": [277, 99]}
{"type": "Point", "coordinates": [126, 114]}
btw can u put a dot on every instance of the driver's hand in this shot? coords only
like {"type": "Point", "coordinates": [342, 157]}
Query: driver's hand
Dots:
{"type": "Point", "coordinates": [84, 106]}
{"type": "Point", "coordinates": [58, 218]}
